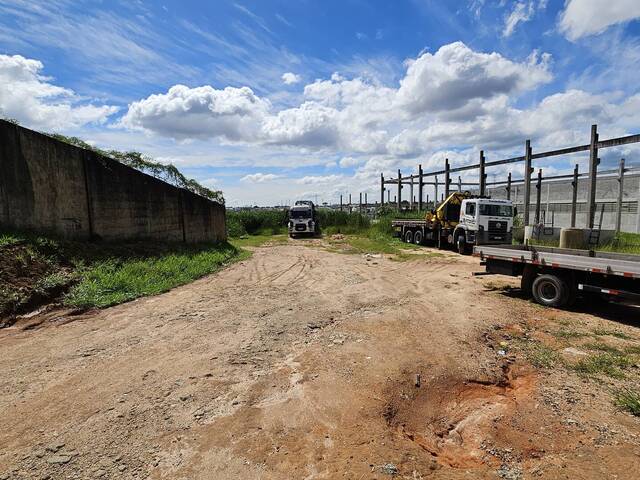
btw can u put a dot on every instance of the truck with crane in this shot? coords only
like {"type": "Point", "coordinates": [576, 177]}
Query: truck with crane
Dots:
{"type": "Point", "coordinates": [462, 220]}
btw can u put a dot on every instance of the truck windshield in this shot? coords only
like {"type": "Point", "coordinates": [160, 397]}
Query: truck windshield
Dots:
{"type": "Point", "coordinates": [299, 213]}
{"type": "Point", "coordinates": [496, 210]}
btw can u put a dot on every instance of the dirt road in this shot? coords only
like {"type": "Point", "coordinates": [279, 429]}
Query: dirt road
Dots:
{"type": "Point", "coordinates": [300, 363]}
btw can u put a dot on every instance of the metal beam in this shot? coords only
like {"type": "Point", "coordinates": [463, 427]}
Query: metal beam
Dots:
{"type": "Point", "coordinates": [593, 171]}
{"type": "Point", "coordinates": [447, 180]}
{"type": "Point", "coordinates": [620, 194]}
{"type": "Point", "coordinates": [538, 194]}
{"type": "Point", "coordinates": [527, 180]}
{"type": "Point", "coordinates": [381, 189]}
{"type": "Point", "coordinates": [574, 197]}
{"type": "Point", "coordinates": [483, 176]}
{"type": "Point", "coordinates": [399, 190]}
{"type": "Point", "coordinates": [420, 187]}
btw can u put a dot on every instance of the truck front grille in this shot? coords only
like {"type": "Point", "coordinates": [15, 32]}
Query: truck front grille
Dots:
{"type": "Point", "coordinates": [498, 226]}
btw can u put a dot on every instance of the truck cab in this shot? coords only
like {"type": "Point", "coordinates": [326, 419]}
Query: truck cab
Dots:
{"type": "Point", "coordinates": [483, 221]}
{"type": "Point", "coordinates": [302, 219]}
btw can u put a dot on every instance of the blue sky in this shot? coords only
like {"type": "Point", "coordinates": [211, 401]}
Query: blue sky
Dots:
{"type": "Point", "coordinates": [276, 100]}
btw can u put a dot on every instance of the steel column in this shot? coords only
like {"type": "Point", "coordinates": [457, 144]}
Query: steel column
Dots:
{"type": "Point", "coordinates": [593, 171]}
{"type": "Point", "coordinates": [399, 190]}
{"type": "Point", "coordinates": [447, 179]}
{"type": "Point", "coordinates": [436, 192]}
{"type": "Point", "coordinates": [538, 195]}
{"type": "Point", "coordinates": [459, 183]}
{"type": "Point", "coordinates": [411, 195]}
{"type": "Point", "coordinates": [574, 198]}
{"type": "Point", "coordinates": [620, 193]}
{"type": "Point", "coordinates": [340, 202]}
{"type": "Point", "coordinates": [527, 181]}
{"type": "Point", "coordinates": [509, 187]}
{"type": "Point", "coordinates": [483, 176]}
{"type": "Point", "coordinates": [381, 189]}
{"type": "Point", "coordinates": [420, 187]}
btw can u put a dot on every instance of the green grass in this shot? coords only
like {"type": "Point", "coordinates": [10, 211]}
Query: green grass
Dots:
{"type": "Point", "coordinates": [614, 333]}
{"type": "Point", "coordinates": [605, 363]}
{"type": "Point", "coordinates": [624, 242]}
{"type": "Point", "coordinates": [628, 400]}
{"type": "Point", "coordinates": [115, 280]}
{"type": "Point", "coordinates": [540, 354]}
{"type": "Point", "coordinates": [36, 270]}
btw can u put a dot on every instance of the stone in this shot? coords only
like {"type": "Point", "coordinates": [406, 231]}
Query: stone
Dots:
{"type": "Point", "coordinates": [59, 459]}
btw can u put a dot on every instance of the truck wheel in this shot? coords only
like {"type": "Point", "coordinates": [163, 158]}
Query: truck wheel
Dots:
{"type": "Point", "coordinates": [461, 243]}
{"type": "Point", "coordinates": [408, 236]}
{"type": "Point", "coordinates": [417, 237]}
{"type": "Point", "coordinates": [550, 291]}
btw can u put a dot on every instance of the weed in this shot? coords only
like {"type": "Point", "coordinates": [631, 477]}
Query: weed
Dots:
{"type": "Point", "coordinates": [604, 363]}
{"type": "Point", "coordinates": [601, 332]}
{"type": "Point", "coordinates": [603, 347]}
{"type": "Point", "coordinates": [567, 334]}
{"type": "Point", "coordinates": [118, 280]}
{"type": "Point", "coordinates": [540, 354]}
{"type": "Point", "coordinates": [258, 240]}
{"type": "Point", "coordinates": [628, 400]}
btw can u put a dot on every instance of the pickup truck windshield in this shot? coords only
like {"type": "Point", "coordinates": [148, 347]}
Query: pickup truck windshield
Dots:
{"type": "Point", "coordinates": [299, 213]}
{"type": "Point", "coordinates": [496, 210]}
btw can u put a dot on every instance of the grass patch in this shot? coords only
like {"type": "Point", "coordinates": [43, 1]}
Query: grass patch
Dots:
{"type": "Point", "coordinates": [117, 280]}
{"type": "Point", "coordinates": [628, 400]}
{"type": "Point", "coordinates": [540, 355]}
{"type": "Point", "coordinates": [604, 363]}
{"type": "Point", "coordinates": [601, 332]}
{"type": "Point", "coordinates": [36, 270]}
{"type": "Point", "coordinates": [603, 347]}
{"type": "Point", "coordinates": [568, 334]}
{"type": "Point", "coordinates": [624, 242]}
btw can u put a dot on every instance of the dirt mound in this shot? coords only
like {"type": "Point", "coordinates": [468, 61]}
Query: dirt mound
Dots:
{"type": "Point", "coordinates": [461, 422]}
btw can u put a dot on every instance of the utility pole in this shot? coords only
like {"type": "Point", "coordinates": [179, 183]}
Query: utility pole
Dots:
{"type": "Point", "coordinates": [399, 190]}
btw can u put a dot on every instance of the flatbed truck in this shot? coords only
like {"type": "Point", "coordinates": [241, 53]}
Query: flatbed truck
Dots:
{"type": "Point", "coordinates": [461, 221]}
{"type": "Point", "coordinates": [555, 277]}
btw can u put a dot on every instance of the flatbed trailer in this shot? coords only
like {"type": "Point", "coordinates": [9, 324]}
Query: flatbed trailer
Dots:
{"type": "Point", "coordinates": [556, 276]}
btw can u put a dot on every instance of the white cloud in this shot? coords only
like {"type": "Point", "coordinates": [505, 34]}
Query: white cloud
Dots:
{"type": "Point", "coordinates": [233, 114]}
{"type": "Point", "coordinates": [313, 180]}
{"type": "Point", "coordinates": [260, 177]}
{"type": "Point", "coordinates": [522, 12]}
{"type": "Point", "coordinates": [290, 78]}
{"type": "Point", "coordinates": [347, 162]}
{"type": "Point", "coordinates": [582, 18]}
{"type": "Point", "coordinates": [455, 75]}
{"type": "Point", "coordinates": [30, 98]}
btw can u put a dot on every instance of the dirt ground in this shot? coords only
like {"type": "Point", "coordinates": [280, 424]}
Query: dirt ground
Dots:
{"type": "Point", "coordinates": [301, 363]}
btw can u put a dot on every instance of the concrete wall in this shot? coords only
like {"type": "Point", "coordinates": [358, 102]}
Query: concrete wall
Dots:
{"type": "Point", "coordinates": [50, 186]}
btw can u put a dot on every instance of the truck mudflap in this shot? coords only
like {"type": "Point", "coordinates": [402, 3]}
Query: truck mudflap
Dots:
{"type": "Point", "coordinates": [635, 297]}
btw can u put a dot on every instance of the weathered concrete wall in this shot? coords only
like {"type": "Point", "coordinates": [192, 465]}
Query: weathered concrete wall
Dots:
{"type": "Point", "coordinates": [50, 186]}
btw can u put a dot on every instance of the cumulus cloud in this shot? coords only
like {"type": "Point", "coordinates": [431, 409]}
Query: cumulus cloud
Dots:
{"type": "Point", "coordinates": [582, 18]}
{"type": "Point", "coordinates": [290, 78]}
{"type": "Point", "coordinates": [259, 177]}
{"type": "Point", "coordinates": [234, 114]}
{"type": "Point", "coordinates": [29, 97]}
{"type": "Point", "coordinates": [456, 75]}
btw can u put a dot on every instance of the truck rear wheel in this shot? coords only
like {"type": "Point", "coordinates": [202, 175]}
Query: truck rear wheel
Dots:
{"type": "Point", "coordinates": [550, 290]}
{"type": "Point", "coordinates": [408, 236]}
{"type": "Point", "coordinates": [418, 238]}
